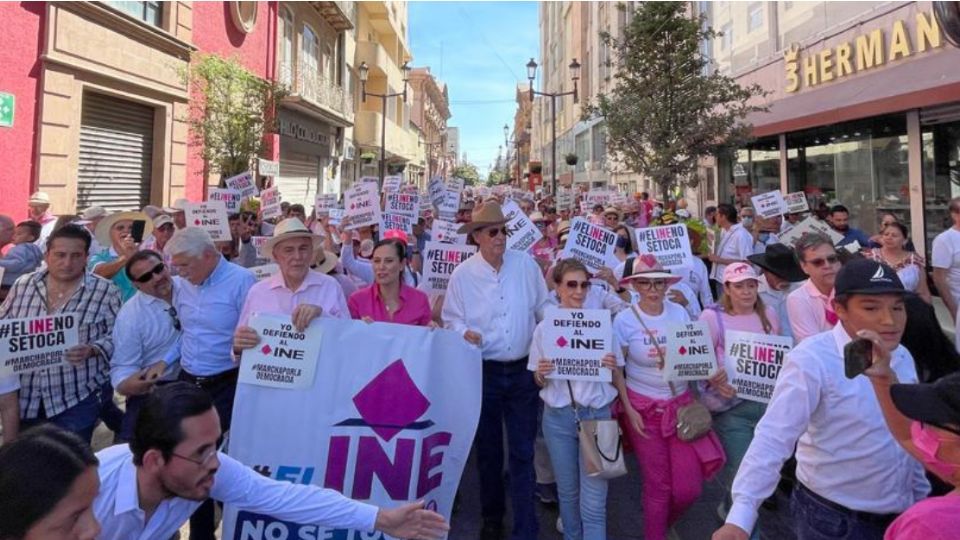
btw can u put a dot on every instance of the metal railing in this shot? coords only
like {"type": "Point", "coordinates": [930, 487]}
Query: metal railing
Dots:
{"type": "Point", "coordinates": [316, 88]}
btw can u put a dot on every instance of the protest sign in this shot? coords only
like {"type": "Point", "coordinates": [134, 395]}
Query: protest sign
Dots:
{"type": "Point", "coordinates": [590, 244]}
{"type": "Point", "coordinates": [689, 354]}
{"type": "Point", "coordinates": [391, 184]}
{"type": "Point", "coordinates": [564, 199]}
{"type": "Point", "coordinates": [796, 202]}
{"type": "Point", "coordinates": [670, 244]}
{"type": "Point", "coordinates": [437, 190]}
{"type": "Point", "coordinates": [753, 361]}
{"type": "Point", "coordinates": [446, 232]}
{"type": "Point", "coordinates": [456, 184]}
{"type": "Point", "coordinates": [258, 242]}
{"type": "Point", "coordinates": [270, 203]}
{"type": "Point", "coordinates": [770, 204]}
{"type": "Point", "coordinates": [522, 234]}
{"type": "Point", "coordinates": [335, 215]}
{"type": "Point", "coordinates": [576, 340]}
{"type": "Point", "coordinates": [324, 202]}
{"type": "Point", "coordinates": [426, 205]}
{"type": "Point", "coordinates": [229, 197]}
{"type": "Point", "coordinates": [362, 205]}
{"type": "Point", "coordinates": [404, 204]}
{"type": "Point", "coordinates": [34, 343]}
{"type": "Point", "coordinates": [264, 270]}
{"type": "Point", "coordinates": [244, 184]}
{"type": "Point", "coordinates": [584, 207]}
{"type": "Point", "coordinates": [396, 222]}
{"type": "Point", "coordinates": [439, 262]}
{"type": "Point", "coordinates": [447, 209]}
{"type": "Point", "coordinates": [284, 357]}
{"type": "Point", "coordinates": [598, 196]}
{"type": "Point", "coordinates": [210, 216]}
{"type": "Point", "coordinates": [618, 199]}
{"type": "Point", "coordinates": [370, 180]}
{"type": "Point", "coordinates": [811, 225]}
{"type": "Point", "coordinates": [268, 168]}
{"type": "Point", "coordinates": [393, 425]}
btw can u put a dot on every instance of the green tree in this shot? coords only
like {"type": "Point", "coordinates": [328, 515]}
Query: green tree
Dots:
{"type": "Point", "coordinates": [231, 112]}
{"type": "Point", "coordinates": [468, 171]}
{"type": "Point", "coordinates": [668, 108]}
{"type": "Point", "coordinates": [495, 177]}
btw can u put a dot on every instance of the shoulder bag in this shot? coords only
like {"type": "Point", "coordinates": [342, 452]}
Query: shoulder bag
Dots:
{"type": "Point", "coordinates": [600, 444]}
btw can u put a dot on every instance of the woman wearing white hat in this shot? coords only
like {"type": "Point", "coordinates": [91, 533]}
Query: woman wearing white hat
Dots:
{"type": "Point", "coordinates": [114, 232]}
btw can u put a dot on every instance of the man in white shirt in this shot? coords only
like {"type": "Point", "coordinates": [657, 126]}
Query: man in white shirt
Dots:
{"type": "Point", "coordinates": [809, 307]}
{"type": "Point", "coordinates": [147, 327]}
{"type": "Point", "coordinates": [853, 477]}
{"type": "Point", "coordinates": [735, 243]}
{"type": "Point", "coordinates": [149, 488]}
{"type": "Point", "coordinates": [946, 262]}
{"type": "Point", "coordinates": [780, 274]}
{"type": "Point", "coordinates": [494, 300]}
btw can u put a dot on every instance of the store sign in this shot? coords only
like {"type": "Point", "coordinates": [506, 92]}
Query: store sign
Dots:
{"type": "Point", "coordinates": [303, 136]}
{"type": "Point", "coordinates": [864, 52]}
{"type": "Point", "coordinates": [7, 106]}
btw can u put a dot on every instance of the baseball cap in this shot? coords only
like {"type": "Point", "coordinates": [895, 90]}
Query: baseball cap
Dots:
{"type": "Point", "coordinates": [866, 276]}
{"type": "Point", "coordinates": [937, 404]}
{"type": "Point", "coordinates": [396, 234]}
{"type": "Point", "coordinates": [739, 271]}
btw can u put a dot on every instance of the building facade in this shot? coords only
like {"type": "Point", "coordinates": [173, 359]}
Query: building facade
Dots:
{"type": "Point", "coordinates": [518, 141]}
{"type": "Point", "coordinates": [430, 112]}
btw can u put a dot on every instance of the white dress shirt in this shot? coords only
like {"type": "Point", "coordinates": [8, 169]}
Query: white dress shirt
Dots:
{"type": "Point", "coordinates": [117, 506]}
{"type": "Point", "coordinates": [503, 307]}
{"type": "Point", "coordinates": [845, 452]}
{"type": "Point", "coordinates": [807, 311]}
{"type": "Point", "coordinates": [698, 279]}
{"type": "Point", "coordinates": [735, 243]}
{"type": "Point", "coordinates": [142, 335]}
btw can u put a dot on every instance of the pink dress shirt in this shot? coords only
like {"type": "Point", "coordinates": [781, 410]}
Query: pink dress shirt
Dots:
{"type": "Point", "coordinates": [273, 297]}
{"type": "Point", "coordinates": [807, 310]}
{"type": "Point", "coordinates": [414, 306]}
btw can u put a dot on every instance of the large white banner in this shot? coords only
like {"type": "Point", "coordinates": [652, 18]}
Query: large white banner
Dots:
{"type": "Point", "coordinates": [392, 425]}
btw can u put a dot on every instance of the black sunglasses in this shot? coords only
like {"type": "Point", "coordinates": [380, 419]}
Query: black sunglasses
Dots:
{"type": "Point", "coordinates": [156, 271]}
{"type": "Point", "coordinates": [492, 233]}
{"type": "Point", "coordinates": [584, 285]}
{"type": "Point", "coordinates": [172, 311]}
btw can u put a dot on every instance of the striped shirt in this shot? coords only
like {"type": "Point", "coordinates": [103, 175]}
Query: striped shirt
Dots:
{"type": "Point", "coordinates": [96, 303]}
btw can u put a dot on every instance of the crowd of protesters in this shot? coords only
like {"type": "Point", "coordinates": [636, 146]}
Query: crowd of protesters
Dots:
{"type": "Point", "coordinates": [164, 316]}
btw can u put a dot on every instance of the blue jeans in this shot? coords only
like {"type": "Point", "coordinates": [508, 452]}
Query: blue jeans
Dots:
{"type": "Point", "coordinates": [815, 519]}
{"type": "Point", "coordinates": [509, 397]}
{"type": "Point", "coordinates": [735, 428]}
{"type": "Point", "coordinates": [583, 500]}
{"type": "Point", "coordinates": [80, 419]}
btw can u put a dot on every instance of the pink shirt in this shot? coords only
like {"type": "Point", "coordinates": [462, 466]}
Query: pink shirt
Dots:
{"type": "Point", "coordinates": [807, 310]}
{"type": "Point", "coordinates": [414, 306]}
{"type": "Point", "coordinates": [936, 518]}
{"type": "Point", "coordinates": [743, 323]}
{"type": "Point", "coordinates": [273, 297]}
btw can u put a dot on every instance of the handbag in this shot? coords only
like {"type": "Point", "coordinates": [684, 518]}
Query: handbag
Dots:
{"type": "Point", "coordinates": [693, 419]}
{"type": "Point", "coordinates": [601, 446]}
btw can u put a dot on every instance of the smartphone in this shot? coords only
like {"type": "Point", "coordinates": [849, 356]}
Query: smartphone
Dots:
{"type": "Point", "coordinates": [857, 357]}
{"type": "Point", "coordinates": [136, 231]}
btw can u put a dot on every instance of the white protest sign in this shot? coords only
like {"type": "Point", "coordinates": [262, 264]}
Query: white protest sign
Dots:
{"type": "Point", "coordinates": [456, 184]}
{"type": "Point", "coordinates": [437, 190]}
{"type": "Point", "coordinates": [590, 244]}
{"type": "Point", "coordinates": [396, 222]}
{"type": "Point", "coordinates": [584, 207]}
{"type": "Point", "coordinates": [447, 209]}
{"type": "Point", "coordinates": [270, 203]}
{"type": "Point", "coordinates": [324, 202]}
{"type": "Point", "coordinates": [598, 196]}
{"type": "Point", "coordinates": [670, 244]}
{"type": "Point", "coordinates": [753, 361]}
{"type": "Point", "coordinates": [370, 179]}
{"type": "Point", "coordinates": [796, 202]}
{"type": "Point", "coordinates": [268, 168]}
{"type": "Point", "coordinates": [811, 225]}
{"type": "Point", "coordinates": [264, 271]}
{"type": "Point", "coordinates": [575, 341]}
{"type": "Point", "coordinates": [258, 242]}
{"type": "Point", "coordinates": [391, 184]}
{"type": "Point", "coordinates": [210, 216]}
{"type": "Point", "coordinates": [426, 205]}
{"type": "Point", "coordinates": [770, 204]}
{"type": "Point", "coordinates": [229, 197]}
{"type": "Point", "coordinates": [564, 199]}
{"type": "Point", "coordinates": [404, 204]}
{"type": "Point", "coordinates": [244, 184]}
{"type": "Point", "coordinates": [362, 205]}
{"type": "Point", "coordinates": [285, 357]}
{"type": "Point", "coordinates": [689, 354]}
{"type": "Point", "coordinates": [439, 261]}
{"type": "Point", "coordinates": [335, 215]}
{"type": "Point", "coordinates": [522, 234]}
{"type": "Point", "coordinates": [446, 232]}
{"type": "Point", "coordinates": [34, 343]}
{"type": "Point", "coordinates": [393, 425]}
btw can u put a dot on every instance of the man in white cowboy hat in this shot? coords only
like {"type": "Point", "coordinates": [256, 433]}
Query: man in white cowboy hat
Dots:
{"type": "Point", "coordinates": [178, 212]}
{"type": "Point", "coordinates": [296, 290]}
{"type": "Point", "coordinates": [114, 234]}
{"type": "Point", "coordinates": [38, 209]}
{"type": "Point", "coordinates": [90, 218]}
{"type": "Point", "coordinates": [494, 299]}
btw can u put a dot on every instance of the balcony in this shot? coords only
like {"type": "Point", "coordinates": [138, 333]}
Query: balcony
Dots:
{"type": "Point", "coordinates": [340, 15]}
{"type": "Point", "coordinates": [401, 143]}
{"type": "Point", "coordinates": [379, 62]}
{"type": "Point", "coordinates": [310, 88]}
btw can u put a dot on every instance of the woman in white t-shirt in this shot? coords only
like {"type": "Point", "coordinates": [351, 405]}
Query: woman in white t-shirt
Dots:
{"type": "Point", "coordinates": [673, 471]}
{"type": "Point", "coordinates": [583, 499]}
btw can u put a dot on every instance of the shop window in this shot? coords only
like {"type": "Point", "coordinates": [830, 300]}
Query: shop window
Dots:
{"type": "Point", "coordinates": [148, 12]}
{"type": "Point", "coordinates": [753, 170]}
{"type": "Point", "coordinates": [286, 47]}
{"type": "Point", "coordinates": [754, 17]}
{"type": "Point", "coordinates": [941, 176]}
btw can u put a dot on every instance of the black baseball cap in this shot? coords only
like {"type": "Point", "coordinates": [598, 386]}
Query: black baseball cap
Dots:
{"type": "Point", "coordinates": [937, 404]}
{"type": "Point", "coordinates": [866, 276]}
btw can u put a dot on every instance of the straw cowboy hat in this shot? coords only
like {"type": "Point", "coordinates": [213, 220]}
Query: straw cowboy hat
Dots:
{"type": "Point", "coordinates": [647, 266]}
{"type": "Point", "coordinates": [39, 197]}
{"type": "Point", "coordinates": [287, 229]}
{"type": "Point", "coordinates": [486, 215]}
{"type": "Point", "coordinates": [325, 261]}
{"type": "Point", "coordinates": [102, 232]}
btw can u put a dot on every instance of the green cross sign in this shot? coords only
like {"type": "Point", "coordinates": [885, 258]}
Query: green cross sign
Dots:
{"type": "Point", "coordinates": [6, 109]}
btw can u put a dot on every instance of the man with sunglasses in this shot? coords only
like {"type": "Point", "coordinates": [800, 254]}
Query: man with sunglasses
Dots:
{"type": "Point", "coordinates": [809, 307]}
{"type": "Point", "coordinates": [494, 300]}
{"type": "Point", "coordinates": [146, 328]}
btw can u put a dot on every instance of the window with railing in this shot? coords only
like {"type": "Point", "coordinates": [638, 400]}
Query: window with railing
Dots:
{"type": "Point", "coordinates": [148, 12]}
{"type": "Point", "coordinates": [288, 31]}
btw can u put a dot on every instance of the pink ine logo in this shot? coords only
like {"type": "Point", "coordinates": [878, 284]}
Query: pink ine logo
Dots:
{"type": "Point", "coordinates": [196, 222]}
{"type": "Point", "coordinates": [561, 342]}
{"type": "Point", "coordinates": [266, 349]}
{"type": "Point", "coordinates": [385, 415]}
{"type": "Point", "coordinates": [352, 206]}
{"type": "Point", "coordinates": [683, 350]}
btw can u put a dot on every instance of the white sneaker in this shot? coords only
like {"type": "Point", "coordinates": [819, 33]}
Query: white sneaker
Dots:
{"type": "Point", "coordinates": [559, 525]}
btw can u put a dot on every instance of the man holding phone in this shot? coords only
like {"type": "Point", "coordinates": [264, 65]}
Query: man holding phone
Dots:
{"type": "Point", "coordinates": [853, 478]}
{"type": "Point", "coordinates": [120, 234]}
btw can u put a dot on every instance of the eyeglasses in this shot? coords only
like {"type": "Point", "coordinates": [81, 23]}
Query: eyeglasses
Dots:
{"type": "Point", "coordinates": [155, 271]}
{"type": "Point", "coordinates": [172, 311]}
{"type": "Point", "coordinates": [494, 232]}
{"type": "Point", "coordinates": [204, 459]}
{"type": "Point", "coordinates": [584, 285]}
{"type": "Point", "coordinates": [820, 262]}
{"type": "Point", "coordinates": [657, 285]}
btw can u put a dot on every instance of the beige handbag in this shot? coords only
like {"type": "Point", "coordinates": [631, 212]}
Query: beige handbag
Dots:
{"type": "Point", "coordinates": [600, 444]}
{"type": "Point", "coordinates": [694, 419]}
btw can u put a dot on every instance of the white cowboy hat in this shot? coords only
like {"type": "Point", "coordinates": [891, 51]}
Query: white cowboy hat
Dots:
{"type": "Point", "coordinates": [287, 229]}
{"type": "Point", "coordinates": [102, 232]}
{"type": "Point", "coordinates": [179, 205]}
{"type": "Point", "coordinates": [39, 197]}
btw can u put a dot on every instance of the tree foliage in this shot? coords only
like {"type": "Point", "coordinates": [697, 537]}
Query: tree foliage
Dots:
{"type": "Point", "coordinates": [667, 110]}
{"type": "Point", "coordinates": [231, 112]}
{"type": "Point", "coordinates": [468, 171]}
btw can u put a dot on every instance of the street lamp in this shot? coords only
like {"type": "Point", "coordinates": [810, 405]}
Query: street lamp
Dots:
{"type": "Point", "coordinates": [516, 143]}
{"type": "Point", "coordinates": [364, 73]}
{"type": "Point", "coordinates": [574, 76]}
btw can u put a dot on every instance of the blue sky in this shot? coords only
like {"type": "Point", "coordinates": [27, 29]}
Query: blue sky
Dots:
{"type": "Point", "coordinates": [480, 49]}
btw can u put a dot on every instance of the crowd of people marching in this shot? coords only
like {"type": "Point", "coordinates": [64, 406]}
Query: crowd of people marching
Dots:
{"type": "Point", "coordinates": [163, 314]}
